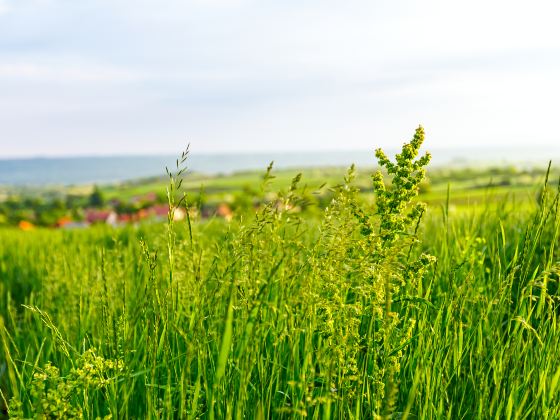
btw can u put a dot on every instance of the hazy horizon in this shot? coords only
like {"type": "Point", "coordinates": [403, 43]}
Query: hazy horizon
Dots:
{"type": "Point", "coordinates": [111, 169]}
{"type": "Point", "coordinates": [529, 150]}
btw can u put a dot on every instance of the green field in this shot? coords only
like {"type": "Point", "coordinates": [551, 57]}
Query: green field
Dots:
{"type": "Point", "coordinates": [468, 182]}
{"type": "Point", "coordinates": [372, 306]}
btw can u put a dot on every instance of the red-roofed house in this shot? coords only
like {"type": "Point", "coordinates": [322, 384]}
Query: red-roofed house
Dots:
{"type": "Point", "coordinates": [160, 211]}
{"type": "Point", "coordinates": [101, 216]}
{"type": "Point", "coordinates": [63, 221]}
{"type": "Point", "coordinates": [224, 211]}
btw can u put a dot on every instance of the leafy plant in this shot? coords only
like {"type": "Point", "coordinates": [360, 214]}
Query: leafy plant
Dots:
{"type": "Point", "coordinates": [338, 311]}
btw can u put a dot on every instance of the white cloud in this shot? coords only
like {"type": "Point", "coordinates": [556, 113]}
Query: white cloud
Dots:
{"type": "Point", "coordinates": [273, 75]}
{"type": "Point", "coordinates": [64, 72]}
{"type": "Point", "coordinates": [4, 7]}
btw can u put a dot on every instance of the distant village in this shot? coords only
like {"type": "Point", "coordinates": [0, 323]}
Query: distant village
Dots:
{"type": "Point", "coordinates": [82, 212]}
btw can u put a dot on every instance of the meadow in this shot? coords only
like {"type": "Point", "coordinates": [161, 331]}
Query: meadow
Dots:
{"type": "Point", "coordinates": [373, 306]}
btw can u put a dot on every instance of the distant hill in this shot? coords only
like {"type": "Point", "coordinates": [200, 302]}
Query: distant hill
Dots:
{"type": "Point", "coordinates": [111, 169]}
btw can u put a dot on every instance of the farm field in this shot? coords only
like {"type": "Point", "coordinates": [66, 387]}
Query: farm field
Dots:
{"type": "Point", "coordinates": [466, 182]}
{"type": "Point", "coordinates": [240, 193]}
{"type": "Point", "coordinates": [359, 303]}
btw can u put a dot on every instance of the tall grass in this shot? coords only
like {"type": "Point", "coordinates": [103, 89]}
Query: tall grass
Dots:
{"type": "Point", "coordinates": [388, 311]}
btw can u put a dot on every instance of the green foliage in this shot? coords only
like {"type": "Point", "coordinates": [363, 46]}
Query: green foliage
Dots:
{"type": "Point", "coordinates": [63, 397]}
{"type": "Point", "coordinates": [96, 198]}
{"type": "Point", "coordinates": [335, 312]}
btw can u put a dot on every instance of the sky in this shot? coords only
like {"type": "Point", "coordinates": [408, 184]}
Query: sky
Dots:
{"type": "Point", "coordinates": [111, 77]}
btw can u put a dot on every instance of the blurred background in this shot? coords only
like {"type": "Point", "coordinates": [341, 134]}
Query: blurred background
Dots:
{"type": "Point", "coordinates": [103, 95]}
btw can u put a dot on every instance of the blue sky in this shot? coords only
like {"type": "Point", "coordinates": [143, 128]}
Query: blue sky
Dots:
{"type": "Point", "coordinates": [120, 76]}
